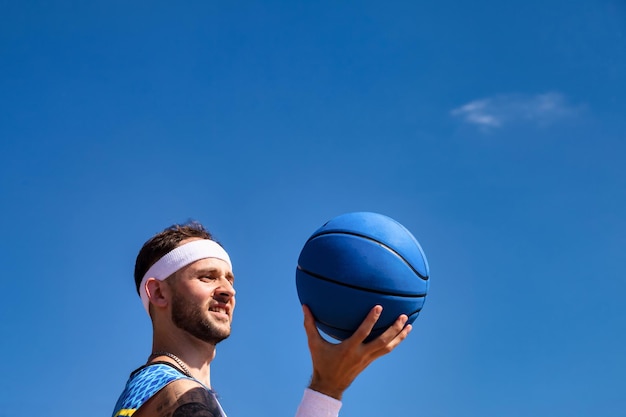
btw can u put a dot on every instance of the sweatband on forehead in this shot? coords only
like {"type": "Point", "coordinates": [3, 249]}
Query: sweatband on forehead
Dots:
{"type": "Point", "coordinates": [180, 257]}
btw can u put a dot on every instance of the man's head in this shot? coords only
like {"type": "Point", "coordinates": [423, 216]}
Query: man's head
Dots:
{"type": "Point", "coordinates": [162, 243]}
{"type": "Point", "coordinates": [185, 278]}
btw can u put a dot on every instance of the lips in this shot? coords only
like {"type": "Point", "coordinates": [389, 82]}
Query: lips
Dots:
{"type": "Point", "coordinates": [222, 309]}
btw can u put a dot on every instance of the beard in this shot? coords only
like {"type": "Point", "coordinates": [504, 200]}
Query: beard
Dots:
{"type": "Point", "coordinates": [193, 319]}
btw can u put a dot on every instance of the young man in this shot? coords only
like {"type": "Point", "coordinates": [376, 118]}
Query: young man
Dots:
{"type": "Point", "coordinates": [186, 284]}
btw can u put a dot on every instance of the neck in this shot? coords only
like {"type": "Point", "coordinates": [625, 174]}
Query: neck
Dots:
{"type": "Point", "coordinates": [196, 355]}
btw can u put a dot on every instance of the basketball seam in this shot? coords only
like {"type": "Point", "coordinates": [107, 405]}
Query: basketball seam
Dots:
{"type": "Point", "coordinates": [373, 329]}
{"type": "Point", "coordinates": [330, 232]}
{"type": "Point", "coordinates": [356, 287]}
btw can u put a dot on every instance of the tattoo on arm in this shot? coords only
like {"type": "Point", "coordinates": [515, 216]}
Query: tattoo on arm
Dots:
{"type": "Point", "coordinates": [196, 402]}
{"type": "Point", "coordinates": [193, 410]}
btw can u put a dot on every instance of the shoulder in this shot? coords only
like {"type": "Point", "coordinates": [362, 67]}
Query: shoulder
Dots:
{"type": "Point", "coordinates": [181, 398]}
{"type": "Point", "coordinates": [143, 384]}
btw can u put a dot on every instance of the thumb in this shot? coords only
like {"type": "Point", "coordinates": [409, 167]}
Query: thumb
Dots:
{"type": "Point", "coordinates": [309, 323]}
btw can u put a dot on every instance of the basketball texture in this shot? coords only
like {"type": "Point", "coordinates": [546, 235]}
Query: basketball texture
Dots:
{"type": "Point", "coordinates": [356, 261]}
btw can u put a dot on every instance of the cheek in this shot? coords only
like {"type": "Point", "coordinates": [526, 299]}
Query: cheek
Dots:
{"type": "Point", "coordinates": [200, 295]}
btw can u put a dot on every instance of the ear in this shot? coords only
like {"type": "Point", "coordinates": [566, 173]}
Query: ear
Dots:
{"type": "Point", "coordinates": [158, 292]}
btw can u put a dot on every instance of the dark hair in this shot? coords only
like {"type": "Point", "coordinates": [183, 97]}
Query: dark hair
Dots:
{"type": "Point", "coordinates": [162, 243]}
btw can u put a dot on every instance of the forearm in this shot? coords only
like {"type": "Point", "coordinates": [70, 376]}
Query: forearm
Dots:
{"type": "Point", "coordinates": [316, 404]}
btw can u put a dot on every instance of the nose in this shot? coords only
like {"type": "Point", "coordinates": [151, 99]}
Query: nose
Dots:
{"type": "Point", "coordinates": [226, 290]}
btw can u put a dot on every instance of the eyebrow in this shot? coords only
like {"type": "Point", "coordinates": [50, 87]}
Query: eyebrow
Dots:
{"type": "Point", "coordinates": [228, 275]}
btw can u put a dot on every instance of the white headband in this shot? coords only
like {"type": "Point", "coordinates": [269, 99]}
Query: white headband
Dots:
{"type": "Point", "coordinates": [180, 257]}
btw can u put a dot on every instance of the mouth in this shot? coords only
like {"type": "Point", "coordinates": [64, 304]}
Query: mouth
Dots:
{"type": "Point", "coordinates": [220, 310]}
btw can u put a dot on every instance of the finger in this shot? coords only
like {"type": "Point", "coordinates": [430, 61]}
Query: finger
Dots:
{"type": "Point", "coordinates": [399, 338]}
{"type": "Point", "coordinates": [392, 337]}
{"type": "Point", "coordinates": [395, 328]}
{"type": "Point", "coordinates": [309, 324]}
{"type": "Point", "coordinates": [365, 328]}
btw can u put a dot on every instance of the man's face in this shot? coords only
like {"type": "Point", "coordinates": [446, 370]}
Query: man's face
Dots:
{"type": "Point", "coordinates": [203, 299]}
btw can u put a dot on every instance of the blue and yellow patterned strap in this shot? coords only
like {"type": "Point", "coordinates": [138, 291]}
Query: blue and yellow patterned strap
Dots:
{"type": "Point", "coordinates": [143, 384]}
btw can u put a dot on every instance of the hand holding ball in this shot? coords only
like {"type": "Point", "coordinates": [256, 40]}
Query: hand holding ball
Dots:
{"type": "Point", "coordinates": [356, 261]}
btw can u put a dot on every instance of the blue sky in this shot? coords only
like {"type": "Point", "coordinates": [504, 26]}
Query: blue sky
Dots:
{"type": "Point", "coordinates": [493, 131]}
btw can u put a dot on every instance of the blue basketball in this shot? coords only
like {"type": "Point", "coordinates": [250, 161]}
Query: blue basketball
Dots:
{"type": "Point", "coordinates": [356, 261]}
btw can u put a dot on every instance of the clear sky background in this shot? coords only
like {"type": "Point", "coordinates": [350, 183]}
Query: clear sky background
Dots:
{"type": "Point", "coordinates": [494, 131]}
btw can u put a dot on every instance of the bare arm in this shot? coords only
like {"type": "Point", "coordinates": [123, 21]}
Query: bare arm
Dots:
{"type": "Point", "coordinates": [181, 398]}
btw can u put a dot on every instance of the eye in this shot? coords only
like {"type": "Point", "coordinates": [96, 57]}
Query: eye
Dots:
{"type": "Point", "coordinates": [207, 278]}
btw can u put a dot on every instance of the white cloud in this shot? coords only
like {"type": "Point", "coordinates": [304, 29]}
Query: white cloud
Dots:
{"type": "Point", "coordinates": [508, 109]}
